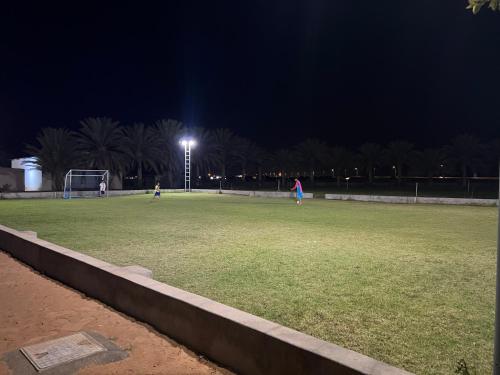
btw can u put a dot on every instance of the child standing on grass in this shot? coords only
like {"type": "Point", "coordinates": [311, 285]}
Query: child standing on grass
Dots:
{"type": "Point", "coordinates": [157, 190]}
{"type": "Point", "coordinates": [300, 193]}
{"type": "Point", "coordinates": [102, 188]}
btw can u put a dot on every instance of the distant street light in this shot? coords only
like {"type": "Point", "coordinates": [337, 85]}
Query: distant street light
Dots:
{"type": "Point", "coordinates": [187, 143]}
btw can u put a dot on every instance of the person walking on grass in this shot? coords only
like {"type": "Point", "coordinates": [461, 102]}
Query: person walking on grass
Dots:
{"type": "Point", "coordinates": [157, 191]}
{"type": "Point", "coordinates": [300, 193]}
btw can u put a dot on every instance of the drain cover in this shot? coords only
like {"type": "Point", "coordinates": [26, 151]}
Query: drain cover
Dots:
{"type": "Point", "coordinates": [65, 349]}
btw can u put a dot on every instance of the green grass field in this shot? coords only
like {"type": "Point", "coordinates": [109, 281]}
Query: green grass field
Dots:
{"type": "Point", "coordinates": [412, 286]}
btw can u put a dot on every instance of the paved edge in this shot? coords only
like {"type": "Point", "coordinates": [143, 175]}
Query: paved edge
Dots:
{"type": "Point", "coordinates": [239, 341]}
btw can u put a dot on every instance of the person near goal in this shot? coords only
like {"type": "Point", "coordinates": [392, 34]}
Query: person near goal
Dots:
{"type": "Point", "coordinates": [102, 188]}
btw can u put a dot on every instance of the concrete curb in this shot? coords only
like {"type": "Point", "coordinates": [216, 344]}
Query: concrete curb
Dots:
{"type": "Point", "coordinates": [412, 200]}
{"type": "Point", "coordinates": [240, 341]}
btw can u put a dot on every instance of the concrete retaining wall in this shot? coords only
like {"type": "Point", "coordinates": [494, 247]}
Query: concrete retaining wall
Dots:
{"type": "Point", "coordinates": [247, 193]}
{"type": "Point", "coordinates": [397, 199]}
{"type": "Point", "coordinates": [59, 194]}
{"type": "Point", "coordinates": [242, 342]}
{"type": "Point", "coordinates": [32, 194]}
{"type": "Point", "coordinates": [112, 193]}
{"type": "Point", "coordinates": [281, 194]}
{"type": "Point", "coordinates": [270, 194]}
{"type": "Point", "coordinates": [79, 194]}
{"type": "Point", "coordinates": [207, 191]}
{"type": "Point", "coordinates": [257, 193]}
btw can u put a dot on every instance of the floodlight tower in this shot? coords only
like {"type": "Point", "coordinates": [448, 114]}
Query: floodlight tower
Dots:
{"type": "Point", "coordinates": [187, 143]}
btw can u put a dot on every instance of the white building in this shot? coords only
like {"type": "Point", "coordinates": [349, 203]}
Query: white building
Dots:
{"type": "Point", "coordinates": [33, 178]}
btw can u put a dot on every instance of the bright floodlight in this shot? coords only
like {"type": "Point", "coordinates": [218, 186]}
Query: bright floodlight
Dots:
{"type": "Point", "coordinates": [187, 142]}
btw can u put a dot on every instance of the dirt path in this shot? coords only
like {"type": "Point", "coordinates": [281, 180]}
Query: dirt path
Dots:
{"type": "Point", "coordinates": [34, 309]}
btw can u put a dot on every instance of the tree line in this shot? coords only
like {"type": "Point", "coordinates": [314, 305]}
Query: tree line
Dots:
{"type": "Point", "coordinates": [136, 150]}
{"type": "Point", "coordinates": [476, 5]}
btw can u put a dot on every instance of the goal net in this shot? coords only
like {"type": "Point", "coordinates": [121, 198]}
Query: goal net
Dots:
{"type": "Point", "coordinates": [80, 183]}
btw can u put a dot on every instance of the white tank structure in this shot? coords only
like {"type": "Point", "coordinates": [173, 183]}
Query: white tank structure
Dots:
{"type": "Point", "coordinates": [33, 180]}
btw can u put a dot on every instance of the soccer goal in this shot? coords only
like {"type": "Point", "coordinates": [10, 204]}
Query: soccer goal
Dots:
{"type": "Point", "coordinates": [80, 183]}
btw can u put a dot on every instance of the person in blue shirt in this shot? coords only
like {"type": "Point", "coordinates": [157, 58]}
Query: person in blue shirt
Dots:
{"type": "Point", "coordinates": [300, 193]}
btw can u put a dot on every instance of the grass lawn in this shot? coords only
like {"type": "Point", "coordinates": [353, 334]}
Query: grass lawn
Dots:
{"type": "Point", "coordinates": [412, 286]}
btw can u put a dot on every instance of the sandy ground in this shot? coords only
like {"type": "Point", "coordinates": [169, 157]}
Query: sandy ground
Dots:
{"type": "Point", "coordinates": [34, 309]}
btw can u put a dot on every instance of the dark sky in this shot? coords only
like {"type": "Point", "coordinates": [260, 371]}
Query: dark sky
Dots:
{"type": "Point", "coordinates": [275, 71]}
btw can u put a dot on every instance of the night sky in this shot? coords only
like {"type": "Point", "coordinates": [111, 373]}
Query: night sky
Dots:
{"type": "Point", "coordinates": [274, 71]}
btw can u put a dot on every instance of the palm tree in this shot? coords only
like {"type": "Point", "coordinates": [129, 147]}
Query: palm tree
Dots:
{"type": "Point", "coordinates": [476, 5]}
{"type": "Point", "coordinates": [494, 151]}
{"type": "Point", "coordinates": [282, 161]}
{"type": "Point", "coordinates": [260, 158]}
{"type": "Point", "coordinates": [246, 154]}
{"type": "Point", "coordinates": [464, 151]}
{"type": "Point", "coordinates": [100, 140]}
{"type": "Point", "coordinates": [169, 133]}
{"type": "Point", "coordinates": [370, 155]}
{"type": "Point", "coordinates": [429, 161]}
{"type": "Point", "coordinates": [58, 153]}
{"type": "Point", "coordinates": [313, 154]}
{"type": "Point", "coordinates": [341, 160]}
{"type": "Point", "coordinates": [225, 145]}
{"type": "Point", "coordinates": [204, 157]}
{"type": "Point", "coordinates": [399, 153]}
{"type": "Point", "coordinates": [142, 148]}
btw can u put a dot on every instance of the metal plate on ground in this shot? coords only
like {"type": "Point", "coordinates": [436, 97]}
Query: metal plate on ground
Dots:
{"type": "Point", "coordinates": [65, 349]}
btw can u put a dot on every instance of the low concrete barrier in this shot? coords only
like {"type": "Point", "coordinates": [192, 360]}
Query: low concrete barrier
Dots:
{"type": "Point", "coordinates": [463, 201]}
{"type": "Point", "coordinates": [79, 194]}
{"type": "Point", "coordinates": [240, 341]}
{"type": "Point", "coordinates": [59, 194]}
{"type": "Point", "coordinates": [114, 193]}
{"type": "Point", "coordinates": [247, 193]}
{"type": "Point", "coordinates": [403, 199]}
{"type": "Point", "coordinates": [207, 191]}
{"type": "Point", "coordinates": [268, 194]}
{"type": "Point", "coordinates": [32, 194]}
{"type": "Point", "coordinates": [280, 194]}
{"type": "Point", "coordinates": [256, 193]}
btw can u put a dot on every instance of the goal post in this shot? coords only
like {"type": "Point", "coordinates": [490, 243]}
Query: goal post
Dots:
{"type": "Point", "coordinates": [85, 183]}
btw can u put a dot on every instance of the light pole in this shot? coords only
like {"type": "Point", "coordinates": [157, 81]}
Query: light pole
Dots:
{"type": "Point", "coordinates": [187, 143]}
